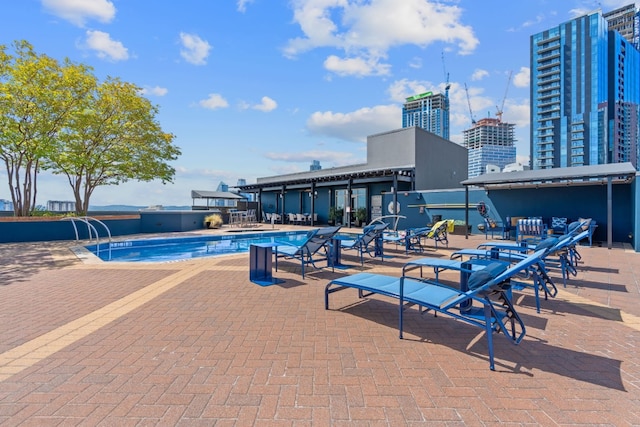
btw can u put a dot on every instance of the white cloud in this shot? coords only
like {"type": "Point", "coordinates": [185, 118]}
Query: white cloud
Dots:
{"type": "Point", "coordinates": [356, 66]}
{"type": "Point", "coordinates": [479, 74]}
{"type": "Point", "coordinates": [400, 90]}
{"type": "Point", "coordinates": [416, 62]}
{"type": "Point", "coordinates": [367, 30]}
{"type": "Point", "coordinates": [195, 50]}
{"type": "Point", "coordinates": [522, 77]}
{"type": "Point", "coordinates": [326, 158]}
{"type": "Point", "coordinates": [242, 5]}
{"type": "Point", "coordinates": [587, 6]}
{"type": "Point", "coordinates": [266, 105]}
{"type": "Point", "coordinates": [105, 47]}
{"type": "Point", "coordinates": [517, 113]}
{"type": "Point", "coordinates": [79, 11]}
{"type": "Point", "coordinates": [459, 115]}
{"type": "Point", "coordinates": [214, 101]}
{"type": "Point", "coordinates": [156, 91]}
{"type": "Point", "coordinates": [356, 125]}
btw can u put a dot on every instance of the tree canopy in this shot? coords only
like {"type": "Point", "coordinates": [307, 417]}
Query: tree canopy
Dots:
{"type": "Point", "coordinates": [58, 116]}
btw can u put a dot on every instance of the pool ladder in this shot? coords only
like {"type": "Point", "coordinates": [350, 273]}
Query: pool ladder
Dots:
{"type": "Point", "coordinates": [91, 229]}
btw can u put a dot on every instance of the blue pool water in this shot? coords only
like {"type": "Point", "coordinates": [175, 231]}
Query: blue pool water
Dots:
{"type": "Point", "coordinates": [182, 248]}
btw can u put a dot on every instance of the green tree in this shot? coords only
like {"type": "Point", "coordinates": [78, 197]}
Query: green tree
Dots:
{"type": "Point", "coordinates": [37, 95]}
{"type": "Point", "coordinates": [113, 138]}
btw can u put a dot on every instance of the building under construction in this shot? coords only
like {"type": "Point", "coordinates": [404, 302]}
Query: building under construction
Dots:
{"type": "Point", "coordinates": [626, 21]}
{"type": "Point", "coordinates": [491, 145]}
{"type": "Point", "coordinates": [428, 111]}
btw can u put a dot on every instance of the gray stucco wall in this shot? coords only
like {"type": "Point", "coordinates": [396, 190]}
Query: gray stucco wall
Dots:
{"type": "Point", "coordinates": [393, 148]}
{"type": "Point", "coordinates": [440, 164]}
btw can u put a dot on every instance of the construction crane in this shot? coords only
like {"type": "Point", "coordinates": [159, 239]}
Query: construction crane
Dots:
{"type": "Point", "coordinates": [446, 76]}
{"type": "Point", "coordinates": [500, 110]}
{"type": "Point", "coordinates": [473, 121]}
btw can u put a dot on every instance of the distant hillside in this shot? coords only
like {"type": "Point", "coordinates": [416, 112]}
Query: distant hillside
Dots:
{"type": "Point", "coordinates": [128, 208]}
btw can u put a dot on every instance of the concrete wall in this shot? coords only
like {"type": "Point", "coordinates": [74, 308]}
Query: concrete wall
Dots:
{"type": "Point", "coordinates": [171, 221]}
{"type": "Point", "coordinates": [572, 203]}
{"type": "Point", "coordinates": [569, 202]}
{"type": "Point", "coordinates": [393, 148]}
{"type": "Point", "coordinates": [46, 230]}
{"type": "Point", "coordinates": [440, 163]}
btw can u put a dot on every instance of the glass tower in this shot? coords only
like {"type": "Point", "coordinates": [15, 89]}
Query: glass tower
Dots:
{"type": "Point", "coordinates": [428, 111]}
{"type": "Point", "coordinates": [584, 95]}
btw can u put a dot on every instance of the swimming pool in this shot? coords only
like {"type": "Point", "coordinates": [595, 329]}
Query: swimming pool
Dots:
{"type": "Point", "coordinates": [183, 248]}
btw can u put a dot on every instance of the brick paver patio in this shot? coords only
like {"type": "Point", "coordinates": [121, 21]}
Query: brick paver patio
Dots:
{"type": "Point", "coordinates": [196, 343]}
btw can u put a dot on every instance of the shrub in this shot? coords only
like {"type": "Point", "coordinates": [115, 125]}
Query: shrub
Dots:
{"type": "Point", "coordinates": [213, 221]}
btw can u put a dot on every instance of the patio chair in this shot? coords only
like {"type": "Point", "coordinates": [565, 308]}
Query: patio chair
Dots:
{"type": "Point", "coordinates": [316, 247]}
{"type": "Point", "coordinates": [440, 231]}
{"type": "Point", "coordinates": [489, 289]}
{"type": "Point", "coordinates": [559, 252]}
{"type": "Point", "coordinates": [412, 237]}
{"type": "Point", "coordinates": [371, 236]}
{"type": "Point", "coordinates": [491, 226]}
{"type": "Point", "coordinates": [531, 230]}
{"type": "Point", "coordinates": [559, 226]}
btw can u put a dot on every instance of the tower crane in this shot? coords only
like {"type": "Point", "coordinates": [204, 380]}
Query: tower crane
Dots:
{"type": "Point", "coordinates": [500, 110]}
{"type": "Point", "coordinates": [473, 121]}
{"type": "Point", "coordinates": [447, 85]}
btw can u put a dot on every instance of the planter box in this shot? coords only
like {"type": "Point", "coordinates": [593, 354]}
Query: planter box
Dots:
{"type": "Point", "coordinates": [459, 229]}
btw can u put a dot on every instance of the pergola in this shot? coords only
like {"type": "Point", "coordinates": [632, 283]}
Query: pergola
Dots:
{"type": "Point", "coordinates": [214, 195]}
{"type": "Point", "coordinates": [556, 177]}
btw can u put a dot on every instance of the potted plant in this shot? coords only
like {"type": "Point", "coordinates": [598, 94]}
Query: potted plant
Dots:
{"type": "Point", "coordinates": [335, 215]}
{"type": "Point", "coordinates": [361, 216]}
{"type": "Point", "coordinates": [458, 227]}
{"type": "Point", "coordinates": [213, 221]}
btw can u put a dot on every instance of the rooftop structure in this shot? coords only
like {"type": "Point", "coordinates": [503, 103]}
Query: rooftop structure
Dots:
{"type": "Point", "coordinates": [490, 142]}
{"type": "Point", "coordinates": [428, 111]}
{"type": "Point", "coordinates": [585, 92]}
{"type": "Point", "coordinates": [625, 20]}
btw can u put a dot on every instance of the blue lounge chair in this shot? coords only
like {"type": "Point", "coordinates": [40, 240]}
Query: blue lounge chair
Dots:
{"type": "Point", "coordinates": [412, 237]}
{"type": "Point", "coordinates": [369, 242]}
{"type": "Point", "coordinates": [489, 289]}
{"type": "Point", "coordinates": [316, 247]}
{"type": "Point", "coordinates": [561, 252]}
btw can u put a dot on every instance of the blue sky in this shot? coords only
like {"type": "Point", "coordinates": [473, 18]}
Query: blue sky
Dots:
{"type": "Point", "coordinates": [255, 88]}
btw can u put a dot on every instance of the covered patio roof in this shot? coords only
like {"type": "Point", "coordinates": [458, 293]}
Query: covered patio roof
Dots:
{"type": "Point", "coordinates": [331, 177]}
{"type": "Point", "coordinates": [571, 176]}
{"type": "Point", "coordinates": [552, 177]}
{"type": "Point", "coordinates": [200, 194]}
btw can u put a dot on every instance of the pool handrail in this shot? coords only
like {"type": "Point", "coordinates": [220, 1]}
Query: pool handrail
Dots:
{"type": "Point", "coordinates": [87, 220]}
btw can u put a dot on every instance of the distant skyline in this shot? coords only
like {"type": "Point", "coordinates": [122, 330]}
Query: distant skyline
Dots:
{"type": "Point", "coordinates": [255, 88]}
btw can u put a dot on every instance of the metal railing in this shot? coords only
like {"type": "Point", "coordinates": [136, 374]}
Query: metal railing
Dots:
{"type": "Point", "coordinates": [91, 230]}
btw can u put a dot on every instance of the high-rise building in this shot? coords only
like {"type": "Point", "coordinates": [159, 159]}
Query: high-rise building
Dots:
{"type": "Point", "coordinates": [315, 165]}
{"type": "Point", "coordinates": [490, 142]}
{"type": "Point", "coordinates": [6, 205]}
{"type": "Point", "coordinates": [428, 111]}
{"type": "Point", "coordinates": [626, 21]}
{"type": "Point", "coordinates": [585, 92]}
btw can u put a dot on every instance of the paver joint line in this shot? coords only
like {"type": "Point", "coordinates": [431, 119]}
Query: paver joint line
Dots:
{"type": "Point", "coordinates": [27, 354]}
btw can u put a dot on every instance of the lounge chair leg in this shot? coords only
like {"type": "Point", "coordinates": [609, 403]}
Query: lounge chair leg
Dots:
{"type": "Point", "coordinates": [489, 332]}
